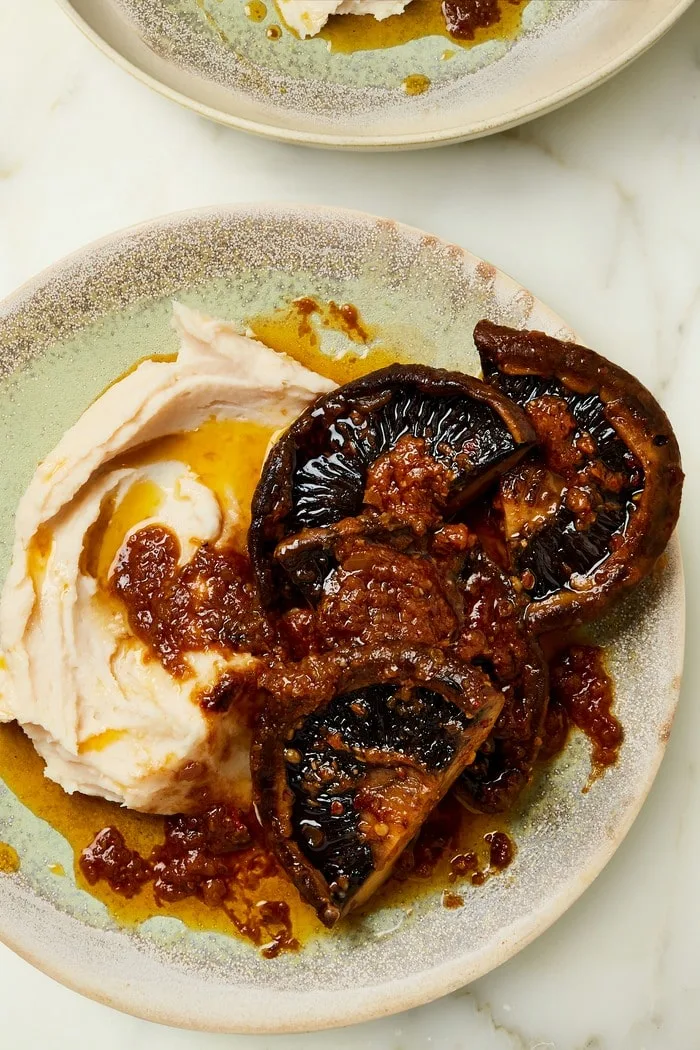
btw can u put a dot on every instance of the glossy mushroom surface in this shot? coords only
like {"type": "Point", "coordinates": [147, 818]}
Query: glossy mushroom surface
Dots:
{"type": "Point", "coordinates": [494, 635]}
{"type": "Point", "coordinates": [589, 511]}
{"type": "Point", "coordinates": [345, 778]}
{"type": "Point", "coordinates": [406, 445]}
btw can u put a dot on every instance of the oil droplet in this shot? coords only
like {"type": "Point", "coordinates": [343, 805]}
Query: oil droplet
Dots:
{"type": "Point", "coordinates": [9, 859]}
{"type": "Point", "coordinates": [452, 900]}
{"type": "Point", "coordinates": [416, 84]}
{"type": "Point", "coordinates": [447, 55]}
{"type": "Point", "coordinates": [38, 554]}
{"type": "Point", "coordinates": [101, 741]}
{"type": "Point", "coordinates": [273, 32]}
{"type": "Point", "coordinates": [256, 11]}
{"type": "Point", "coordinates": [58, 870]}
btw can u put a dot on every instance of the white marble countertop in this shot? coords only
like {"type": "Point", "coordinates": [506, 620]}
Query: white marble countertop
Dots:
{"type": "Point", "coordinates": [596, 209]}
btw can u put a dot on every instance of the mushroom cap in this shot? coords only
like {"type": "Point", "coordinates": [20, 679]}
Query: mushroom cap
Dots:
{"type": "Point", "coordinates": [591, 509]}
{"type": "Point", "coordinates": [316, 474]}
{"type": "Point", "coordinates": [344, 781]}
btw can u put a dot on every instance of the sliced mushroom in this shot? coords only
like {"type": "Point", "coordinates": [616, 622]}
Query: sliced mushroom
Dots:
{"type": "Point", "coordinates": [453, 597]}
{"type": "Point", "coordinates": [407, 444]}
{"type": "Point", "coordinates": [309, 557]}
{"type": "Point", "coordinates": [505, 764]}
{"type": "Point", "coordinates": [495, 635]}
{"type": "Point", "coordinates": [374, 588]}
{"type": "Point", "coordinates": [345, 777]}
{"type": "Point", "coordinates": [588, 513]}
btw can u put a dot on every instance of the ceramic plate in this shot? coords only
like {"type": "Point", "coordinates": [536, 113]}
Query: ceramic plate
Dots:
{"type": "Point", "coordinates": [62, 339]}
{"type": "Point", "coordinates": [209, 55]}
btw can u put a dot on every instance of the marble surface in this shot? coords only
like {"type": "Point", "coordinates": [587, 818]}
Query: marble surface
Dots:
{"type": "Point", "coordinates": [596, 209]}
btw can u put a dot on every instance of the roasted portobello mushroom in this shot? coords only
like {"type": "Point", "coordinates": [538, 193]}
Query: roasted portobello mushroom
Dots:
{"type": "Point", "coordinates": [349, 761]}
{"type": "Point", "coordinates": [411, 632]}
{"type": "Point", "coordinates": [406, 446]}
{"type": "Point", "coordinates": [589, 511]}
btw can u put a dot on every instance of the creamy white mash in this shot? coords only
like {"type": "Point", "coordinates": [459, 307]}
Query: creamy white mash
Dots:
{"type": "Point", "coordinates": [308, 17]}
{"type": "Point", "coordinates": [102, 711]}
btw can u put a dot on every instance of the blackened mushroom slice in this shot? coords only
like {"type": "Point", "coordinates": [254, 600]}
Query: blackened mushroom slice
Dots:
{"type": "Point", "coordinates": [411, 444]}
{"type": "Point", "coordinates": [495, 635]}
{"type": "Point", "coordinates": [345, 780]}
{"type": "Point", "coordinates": [310, 556]}
{"type": "Point", "coordinates": [587, 515]}
{"type": "Point", "coordinates": [373, 588]}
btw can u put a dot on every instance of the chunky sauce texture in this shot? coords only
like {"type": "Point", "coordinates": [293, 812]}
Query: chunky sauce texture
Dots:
{"type": "Point", "coordinates": [262, 907]}
{"type": "Point", "coordinates": [117, 850]}
{"type": "Point", "coordinates": [209, 602]}
{"type": "Point", "coordinates": [210, 858]}
{"type": "Point", "coordinates": [213, 870]}
{"type": "Point", "coordinates": [582, 695]}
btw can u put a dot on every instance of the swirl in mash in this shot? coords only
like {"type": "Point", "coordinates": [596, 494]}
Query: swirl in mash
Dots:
{"type": "Point", "coordinates": [102, 711]}
{"type": "Point", "coordinates": [308, 17]}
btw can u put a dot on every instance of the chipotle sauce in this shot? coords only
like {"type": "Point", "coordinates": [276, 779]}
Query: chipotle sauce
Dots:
{"type": "Point", "coordinates": [207, 857]}
{"type": "Point", "coordinates": [210, 601]}
{"type": "Point", "coordinates": [298, 330]}
{"type": "Point", "coordinates": [581, 693]}
{"type": "Point", "coordinates": [213, 870]}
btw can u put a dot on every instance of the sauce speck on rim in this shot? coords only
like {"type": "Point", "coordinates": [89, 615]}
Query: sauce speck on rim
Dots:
{"type": "Point", "coordinates": [9, 859]}
{"type": "Point", "coordinates": [256, 11]}
{"type": "Point", "coordinates": [416, 84]}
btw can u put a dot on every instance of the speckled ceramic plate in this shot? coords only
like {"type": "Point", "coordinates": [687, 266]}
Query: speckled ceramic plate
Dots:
{"type": "Point", "coordinates": [62, 339]}
{"type": "Point", "coordinates": [209, 55]}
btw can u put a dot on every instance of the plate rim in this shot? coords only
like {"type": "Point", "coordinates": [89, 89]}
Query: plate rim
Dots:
{"type": "Point", "coordinates": [378, 143]}
{"type": "Point", "coordinates": [425, 986]}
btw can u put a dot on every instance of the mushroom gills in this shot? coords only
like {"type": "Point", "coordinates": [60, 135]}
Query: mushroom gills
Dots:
{"type": "Point", "coordinates": [356, 778]}
{"type": "Point", "coordinates": [586, 513]}
{"type": "Point", "coordinates": [556, 547]}
{"type": "Point", "coordinates": [405, 446]}
{"type": "Point", "coordinates": [546, 544]}
{"type": "Point", "coordinates": [465, 436]}
{"type": "Point", "coordinates": [504, 765]}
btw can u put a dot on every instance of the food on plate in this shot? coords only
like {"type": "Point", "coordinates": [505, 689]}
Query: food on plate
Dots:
{"type": "Point", "coordinates": [495, 634]}
{"type": "Point", "coordinates": [308, 17]}
{"type": "Point", "coordinates": [582, 693]}
{"type": "Point", "coordinates": [589, 512]}
{"type": "Point", "coordinates": [308, 623]}
{"type": "Point", "coordinates": [465, 22]}
{"type": "Point", "coordinates": [464, 18]}
{"type": "Point", "coordinates": [347, 772]}
{"type": "Point", "coordinates": [407, 445]}
{"type": "Point", "coordinates": [117, 510]}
